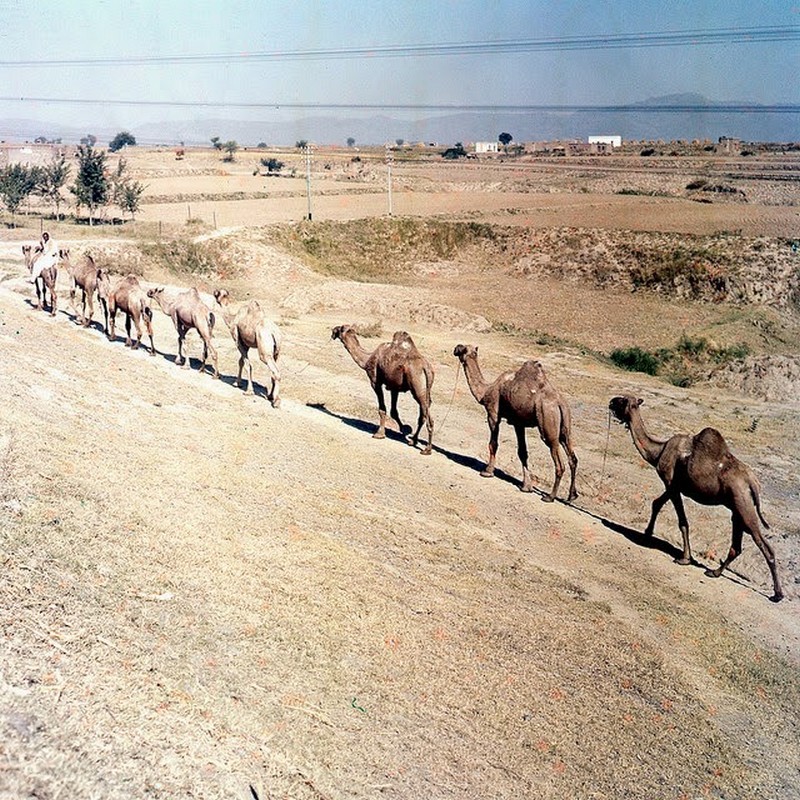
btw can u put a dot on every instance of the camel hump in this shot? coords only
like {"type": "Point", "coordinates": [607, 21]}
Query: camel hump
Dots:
{"type": "Point", "coordinates": [254, 306]}
{"type": "Point", "coordinates": [710, 444]}
{"type": "Point", "coordinates": [89, 259]}
{"type": "Point", "coordinates": [532, 371]}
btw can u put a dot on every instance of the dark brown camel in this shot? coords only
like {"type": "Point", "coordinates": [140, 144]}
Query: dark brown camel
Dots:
{"type": "Point", "coordinates": [703, 469]}
{"type": "Point", "coordinates": [45, 282]}
{"type": "Point", "coordinates": [400, 367]}
{"type": "Point", "coordinates": [525, 398]}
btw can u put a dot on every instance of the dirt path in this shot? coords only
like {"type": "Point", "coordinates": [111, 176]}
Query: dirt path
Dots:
{"type": "Point", "coordinates": [203, 595]}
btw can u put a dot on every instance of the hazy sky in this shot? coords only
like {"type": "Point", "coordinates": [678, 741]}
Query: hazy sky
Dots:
{"type": "Point", "coordinates": [68, 30]}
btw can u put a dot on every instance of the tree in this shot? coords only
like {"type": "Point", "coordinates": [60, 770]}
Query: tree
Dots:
{"type": "Point", "coordinates": [230, 147]}
{"type": "Point", "coordinates": [399, 142]}
{"type": "Point", "coordinates": [350, 141]}
{"type": "Point", "coordinates": [89, 139]}
{"type": "Point", "coordinates": [129, 197]}
{"type": "Point", "coordinates": [261, 145]}
{"type": "Point", "coordinates": [457, 151]}
{"type": "Point", "coordinates": [122, 139]}
{"type": "Point", "coordinates": [301, 144]}
{"type": "Point", "coordinates": [505, 139]}
{"type": "Point", "coordinates": [17, 181]}
{"type": "Point", "coordinates": [52, 179]}
{"type": "Point", "coordinates": [272, 164]}
{"type": "Point", "coordinates": [216, 142]}
{"type": "Point", "coordinates": [91, 187]}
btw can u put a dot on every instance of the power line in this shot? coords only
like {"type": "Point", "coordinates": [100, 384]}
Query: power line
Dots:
{"type": "Point", "coordinates": [693, 38]}
{"type": "Point", "coordinates": [656, 108]}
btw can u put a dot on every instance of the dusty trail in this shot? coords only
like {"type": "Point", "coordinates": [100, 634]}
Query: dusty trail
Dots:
{"type": "Point", "coordinates": [201, 593]}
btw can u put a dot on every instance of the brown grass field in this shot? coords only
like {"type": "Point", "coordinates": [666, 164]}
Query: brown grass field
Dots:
{"type": "Point", "coordinates": [205, 597]}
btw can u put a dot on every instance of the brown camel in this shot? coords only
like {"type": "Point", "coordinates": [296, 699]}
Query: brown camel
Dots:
{"type": "Point", "coordinates": [400, 367]}
{"type": "Point", "coordinates": [45, 282]}
{"type": "Point", "coordinates": [250, 328]}
{"type": "Point", "coordinates": [525, 399]}
{"type": "Point", "coordinates": [187, 310]}
{"type": "Point", "coordinates": [84, 277]}
{"type": "Point", "coordinates": [702, 468]}
{"type": "Point", "coordinates": [126, 295]}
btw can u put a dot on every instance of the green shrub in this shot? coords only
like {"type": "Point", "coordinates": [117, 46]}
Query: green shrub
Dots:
{"type": "Point", "coordinates": [634, 359]}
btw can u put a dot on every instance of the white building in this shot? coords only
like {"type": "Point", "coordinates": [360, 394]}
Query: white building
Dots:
{"type": "Point", "coordinates": [486, 147]}
{"type": "Point", "coordinates": [614, 141]}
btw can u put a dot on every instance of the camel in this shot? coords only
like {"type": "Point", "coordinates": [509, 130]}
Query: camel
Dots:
{"type": "Point", "coordinates": [188, 311]}
{"type": "Point", "coordinates": [525, 399]}
{"type": "Point", "coordinates": [250, 328]}
{"type": "Point", "coordinates": [703, 469]}
{"type": "Point", "coordinates": [84, 277]}
{"type": "Point", "coordinates": [400, 367]}
{"type": "Point", "coordinates": [48, 278]}
{"type": "Point", "coordinates": [126, 295]}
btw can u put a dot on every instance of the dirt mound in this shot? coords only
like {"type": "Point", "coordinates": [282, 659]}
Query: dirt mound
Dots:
{"type": "Point", "coordinates": [772, 378]}
{"type": "Point", "coordinates": [372, 301]}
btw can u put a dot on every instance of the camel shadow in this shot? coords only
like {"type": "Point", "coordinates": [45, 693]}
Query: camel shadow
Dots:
{"type": "Point", "coordinates": [457, 458]}
{"type": "Point", "coordinates": [640, 539]}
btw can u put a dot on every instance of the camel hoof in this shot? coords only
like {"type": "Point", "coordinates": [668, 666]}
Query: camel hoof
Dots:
{"type": "Point", "coordinates": [379, 435]}
{"type": "Point", "coordinates": [526, 489]}
{"type": "Point", "coordinates": [777, 597]}
{"type": "Point", "coordinates": [712, 573]}
{"type": "Point", "coordinates": [572, 496]}
{"type": "Point", "coordinates": [247, 392]}
{"type": "Point", "coordinates": [276, 403]}
{"type": "Point", "coordinates": [649, 532]}
{"type": "Point", "coordinates": [426, 451]}
{"type": "Point", "coordinates": [684, 562]}
{"type": "Point", "coordinates": [548, 498]}
{"type": "Point", "coordinates": [487, 473]}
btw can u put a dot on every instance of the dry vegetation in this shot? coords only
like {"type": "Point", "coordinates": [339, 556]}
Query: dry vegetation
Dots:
{"type": "Point", "coordinates": [204, 597]}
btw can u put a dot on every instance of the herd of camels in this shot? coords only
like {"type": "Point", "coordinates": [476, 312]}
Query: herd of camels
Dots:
{"type": "Point", "coordinates": [699, 467]}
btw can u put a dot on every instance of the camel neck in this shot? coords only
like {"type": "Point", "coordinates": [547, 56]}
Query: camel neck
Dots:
{"type": "Point", "coordinates": [649, 448]}
{"type": "Point", "coordinates": [353, 346]}
{"type": "Point", "coordinates": [227, 315]}
{"type": "Point", "coordinates": [164, 304]}
{"type": "Point", "coordinates": [477, 385]}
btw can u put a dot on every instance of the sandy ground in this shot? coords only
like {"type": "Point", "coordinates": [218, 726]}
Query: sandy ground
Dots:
{"type": "Point", "coordinates": [206, 597]}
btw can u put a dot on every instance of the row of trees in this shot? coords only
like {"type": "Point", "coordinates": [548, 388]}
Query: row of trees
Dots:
{"type": "Point", "coordinates": [95, 186]}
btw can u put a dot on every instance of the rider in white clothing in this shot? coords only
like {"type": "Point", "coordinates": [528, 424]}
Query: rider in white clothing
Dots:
{"type": "Point", "coordinates": [48, 256]}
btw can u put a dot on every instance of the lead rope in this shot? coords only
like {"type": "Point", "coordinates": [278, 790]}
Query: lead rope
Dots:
{"type": "Point", "coordinates": [452, 398]}
{"type": "Point", "coordinates": [605, 453]}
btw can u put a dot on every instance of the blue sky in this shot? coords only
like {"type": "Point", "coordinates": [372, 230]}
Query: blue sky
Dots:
{"type": "Point", "coordinates": [90, 29]}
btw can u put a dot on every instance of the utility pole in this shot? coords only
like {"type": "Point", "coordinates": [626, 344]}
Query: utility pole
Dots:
{"type": "Point", "coordinates": [307, 150]}
{"type": "Point", "coordinates": [389, 160]}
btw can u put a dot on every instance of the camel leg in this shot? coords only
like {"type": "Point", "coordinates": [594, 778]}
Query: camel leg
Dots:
{"type": "Point", "coordinates": [683, 524]}
{"type": "Point", "coordinates": [395, 414]}
{"type": "Point", "coordinates": [558, 464]}
{"type": "Point", "coordinates": [238, 381]}
{"type": "Point", "coordinates": [128, 342]}
{"type": "Point", "coordinates": [137, 321]}
{"type": "Point", "coordinates": [424, 416]}
{"type": "Point", "coordinates": [381, 432]}
{"type": "Point", "coordinates": [244, 360]}
{"type": "Point", "coordinates": [209, 348]}
{"type": "Point", "coordinates": [573, 468]}
{"type": "Point", "coordinates": [522, 453]}
{"type": "Point", "coordinates": [104, 306]}
{"type": "Point", "coordinates": [749, 522]}
{"type": "Point", "coordinates": [494, 435]}
{"type": "Point", "coordinates": [735, 550]}
{"type": "Point", "coordinates": [112, 318]}
{"type": "Point", "coordinates": [658, 504]}
{"type": "Point", "coordinates": [148, 322]}
{"type": "Point", "coordinates": [182, 362]}
{"type": "Point", "coordinates": [87, 300]}
{"type": "Point", "coordinates": [53, 299]}
{"type": "Point", "coordinates": [39, 298]}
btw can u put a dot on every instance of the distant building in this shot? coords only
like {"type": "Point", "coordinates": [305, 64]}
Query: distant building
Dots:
{"type": "Point", "coordinates": [32, 155]}
{"type": "Point", "coordinates": [486, 147]}
{"type": "Point", "coordinates": [614, 141]}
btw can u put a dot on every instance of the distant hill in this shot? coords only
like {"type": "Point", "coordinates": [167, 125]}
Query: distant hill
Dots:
{"type": "Point", "coordinates": [644, 122]}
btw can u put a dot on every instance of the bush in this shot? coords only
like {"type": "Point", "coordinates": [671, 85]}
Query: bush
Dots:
{"type": "Point", "coordinates": [634, 359]}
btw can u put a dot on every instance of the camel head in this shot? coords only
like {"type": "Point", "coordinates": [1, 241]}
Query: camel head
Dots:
{"type": "Point", "coordinates": [622, 407]}
{"type": "Point", "coordinates": [221, 296]}
{"type": "Point", "coordinates": [464, 351]}
{"type": "Point", "coordinates": [63, 253]}
{"type": "Point", "coordinates": [26, 249]}
{"type": "Point", "coordinates": [155, 292]}
{"type": "Point", "coordinates": [340, 331]}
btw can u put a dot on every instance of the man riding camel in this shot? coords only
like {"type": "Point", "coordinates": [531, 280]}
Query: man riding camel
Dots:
{"type": "Point", "coordinates": [47, 256]}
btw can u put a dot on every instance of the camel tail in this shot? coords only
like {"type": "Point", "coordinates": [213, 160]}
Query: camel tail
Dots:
{"type": "Point", "coordinates": [212, 320]}
{"type": "Point", "coordinates": [757, 503]}
{"type": "Point", "coordinates": [147, 312]}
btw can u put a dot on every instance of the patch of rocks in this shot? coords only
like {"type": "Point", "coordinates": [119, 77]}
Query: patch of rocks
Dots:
{"type": "Point", "coordinates": [773, 378]}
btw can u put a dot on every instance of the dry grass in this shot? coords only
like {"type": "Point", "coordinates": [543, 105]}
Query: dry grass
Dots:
{"type": "Point", "coordinates": [203, 595]}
